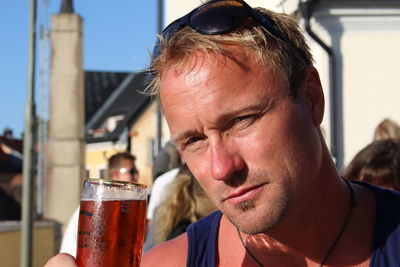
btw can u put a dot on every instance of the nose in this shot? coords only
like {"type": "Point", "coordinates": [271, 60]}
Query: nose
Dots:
{"type": "Point", "coordinates": [223, 161]}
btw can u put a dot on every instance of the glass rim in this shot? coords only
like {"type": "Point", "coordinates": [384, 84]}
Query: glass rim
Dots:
{"type": "Point", "coordinates": [111, 181]}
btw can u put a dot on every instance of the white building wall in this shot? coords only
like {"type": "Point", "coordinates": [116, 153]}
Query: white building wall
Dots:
{"type": "Point", "coordinates": [371, 77]}
{"type": "Point", "coordinates": [365, 42]}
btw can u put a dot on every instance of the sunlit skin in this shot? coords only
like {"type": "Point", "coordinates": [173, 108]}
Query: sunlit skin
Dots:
{"type": "Point", "coordinates": [253, 148]}
{"type": "Point", "coordinates": [261, 158]}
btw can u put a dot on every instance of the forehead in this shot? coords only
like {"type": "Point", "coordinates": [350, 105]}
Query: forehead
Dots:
{"type": "Point", "coordinates": [208, 66]}
{"type": "Point", "coordinates": [127, 162]}
{"type": "Point", "coordinates": [208, 85]}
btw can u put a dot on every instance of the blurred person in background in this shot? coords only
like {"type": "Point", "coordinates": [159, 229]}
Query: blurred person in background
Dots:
{"type": "Point", "coordinates": [378, 163]}
{"type": "Point", "coordinates": [121, 167]}
{"type": "Point", "coordinates": [387, 129]}
{"type": "Point", "coordinates": [165, 168]}
{"type": "Point", "coordinates": [166, 160]}
{"type": "Point", "coordinates": [158, 194]}
{"type": "Point", "coordinates": [185, 202]}
{"type": "Point", "coordinates": [10, 209]}
{"type": "Point", "coordinates": [10, 194]}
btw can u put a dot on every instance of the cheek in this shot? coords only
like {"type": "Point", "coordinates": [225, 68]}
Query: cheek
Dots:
{"type": "Point", "coordinates": [257, 150]}
{"type": "Point", "coordinates": [262, 146]}
{"type": "Point", "coordinates": [302, 146]}
{"type": "Point", "coordinates": [280, 143]}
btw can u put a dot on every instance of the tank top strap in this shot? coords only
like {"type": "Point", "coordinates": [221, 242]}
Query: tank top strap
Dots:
{"type": "Point", "coordinates": [202, 241]}
{"type": "Point", "coordinates": [386, 240]}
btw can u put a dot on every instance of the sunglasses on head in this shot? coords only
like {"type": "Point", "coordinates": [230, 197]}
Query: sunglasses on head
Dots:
{"type": "Point", "coordinates": [219, 17]}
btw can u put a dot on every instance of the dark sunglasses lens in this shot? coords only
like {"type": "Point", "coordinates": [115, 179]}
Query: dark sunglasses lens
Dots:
{"type": "Point", "coordinates": [167, 33]}
{"type": "Point", "coordinates": [218, 17]}
{"type": "Point", "coordinates": [133, 171]}
{"type": "Point", "coordinates": [172, 28]}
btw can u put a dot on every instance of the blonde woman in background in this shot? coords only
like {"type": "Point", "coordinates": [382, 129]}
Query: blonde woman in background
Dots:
{"type": "Point", "coordinates": [387, 129]}
{"type": "Point", "coordinates": [184, 203]}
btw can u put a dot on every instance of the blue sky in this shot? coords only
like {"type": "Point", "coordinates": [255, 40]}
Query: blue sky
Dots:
{"type": "Point", "coordinates": [117, 37]}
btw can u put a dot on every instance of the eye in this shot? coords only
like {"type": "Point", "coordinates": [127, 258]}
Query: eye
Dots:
{"type": "Point", "coordinates": [243, 121]}
{"type": "Point", "coordinates": [193, 140]}
{"type": "Point", "coordinates": [241, 118]}
{"type": "Point", "coordinates": [193, 143]}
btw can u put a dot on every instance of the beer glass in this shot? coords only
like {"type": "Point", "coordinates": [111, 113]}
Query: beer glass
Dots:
{"type": "Point", "coordinates": [111, 225]}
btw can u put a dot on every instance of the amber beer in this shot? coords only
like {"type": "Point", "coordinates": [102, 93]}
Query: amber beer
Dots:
{"type": "Point", "coordinates": [110, 232]}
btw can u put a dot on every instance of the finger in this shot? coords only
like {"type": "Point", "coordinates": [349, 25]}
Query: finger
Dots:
{"type": "Point", "coordinates": [61, 260]}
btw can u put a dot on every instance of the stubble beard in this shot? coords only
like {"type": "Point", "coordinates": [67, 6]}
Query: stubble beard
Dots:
{"type": "Point", "coordinates": [245, 205]}
{"type": "Point", "coordinates": [251, 217]}
{"type": "Point", "coordinates": [252, 222]}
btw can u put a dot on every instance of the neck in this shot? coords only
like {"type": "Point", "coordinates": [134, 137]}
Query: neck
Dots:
{"type": "Point", "coordinates": [318, 221]}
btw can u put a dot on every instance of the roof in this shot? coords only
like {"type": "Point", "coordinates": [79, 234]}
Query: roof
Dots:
{"type": "Point", "coordinates": [113, 101]}
{"type": "Point", "coordinates": [98, 88]}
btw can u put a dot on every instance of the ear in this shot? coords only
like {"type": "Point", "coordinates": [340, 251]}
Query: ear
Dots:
{"type": "Point", "coordinates": [313, 94]}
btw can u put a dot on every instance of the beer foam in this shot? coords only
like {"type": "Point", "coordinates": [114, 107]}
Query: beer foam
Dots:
{"type": "Point", "coordinates": [106, 192]}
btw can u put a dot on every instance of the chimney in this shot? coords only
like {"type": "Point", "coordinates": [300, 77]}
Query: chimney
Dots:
{"type": "Point", "coordinates": [65, 148]}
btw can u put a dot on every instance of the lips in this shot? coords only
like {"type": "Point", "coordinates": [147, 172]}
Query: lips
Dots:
{"type": "Point", "coordinates": [243, 194]}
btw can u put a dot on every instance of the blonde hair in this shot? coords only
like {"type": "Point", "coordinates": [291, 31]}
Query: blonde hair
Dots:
{"type": "Point", "coordinates": [185, 202]}
{"type": "Point", "coordinates": [287, 59]}
{"type": "Point", "coordinates": [387, 129]}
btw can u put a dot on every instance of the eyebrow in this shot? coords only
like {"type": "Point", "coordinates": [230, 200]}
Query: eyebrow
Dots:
{"type": "Point", "coordinates": [258, 106]}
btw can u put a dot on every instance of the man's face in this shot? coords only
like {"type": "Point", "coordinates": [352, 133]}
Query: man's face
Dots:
{"type": "Point", "coordinates": [124, 172]}
{"type": "Point", "coordinates": [253, 148]}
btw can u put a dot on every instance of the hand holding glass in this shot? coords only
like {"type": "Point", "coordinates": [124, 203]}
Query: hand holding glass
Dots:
{"type": "Point", "coordinates": [112, 221]}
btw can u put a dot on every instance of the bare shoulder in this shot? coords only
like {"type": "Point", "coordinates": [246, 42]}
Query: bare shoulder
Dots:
{"type": "Point", "coordinates": [171, 253]}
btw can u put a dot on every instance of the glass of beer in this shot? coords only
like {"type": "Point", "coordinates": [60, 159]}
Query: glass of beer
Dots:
{"type": "Point", "coordinates": [112, 220]}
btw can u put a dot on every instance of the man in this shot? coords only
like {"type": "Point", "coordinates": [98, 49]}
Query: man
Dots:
{"type": "Point", "coordinates": [121, 167]}
{"type": "Point", "coordinates": [244, 105]}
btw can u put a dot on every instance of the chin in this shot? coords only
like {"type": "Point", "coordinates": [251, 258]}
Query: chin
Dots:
{"type": "Point", "coordinates": [251, 219]}
{"type": "Point", "coordinates": [253, 227]}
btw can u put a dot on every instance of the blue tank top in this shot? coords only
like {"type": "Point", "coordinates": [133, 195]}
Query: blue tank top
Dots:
{"type": "Point", "coordinates": [203, 235]}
